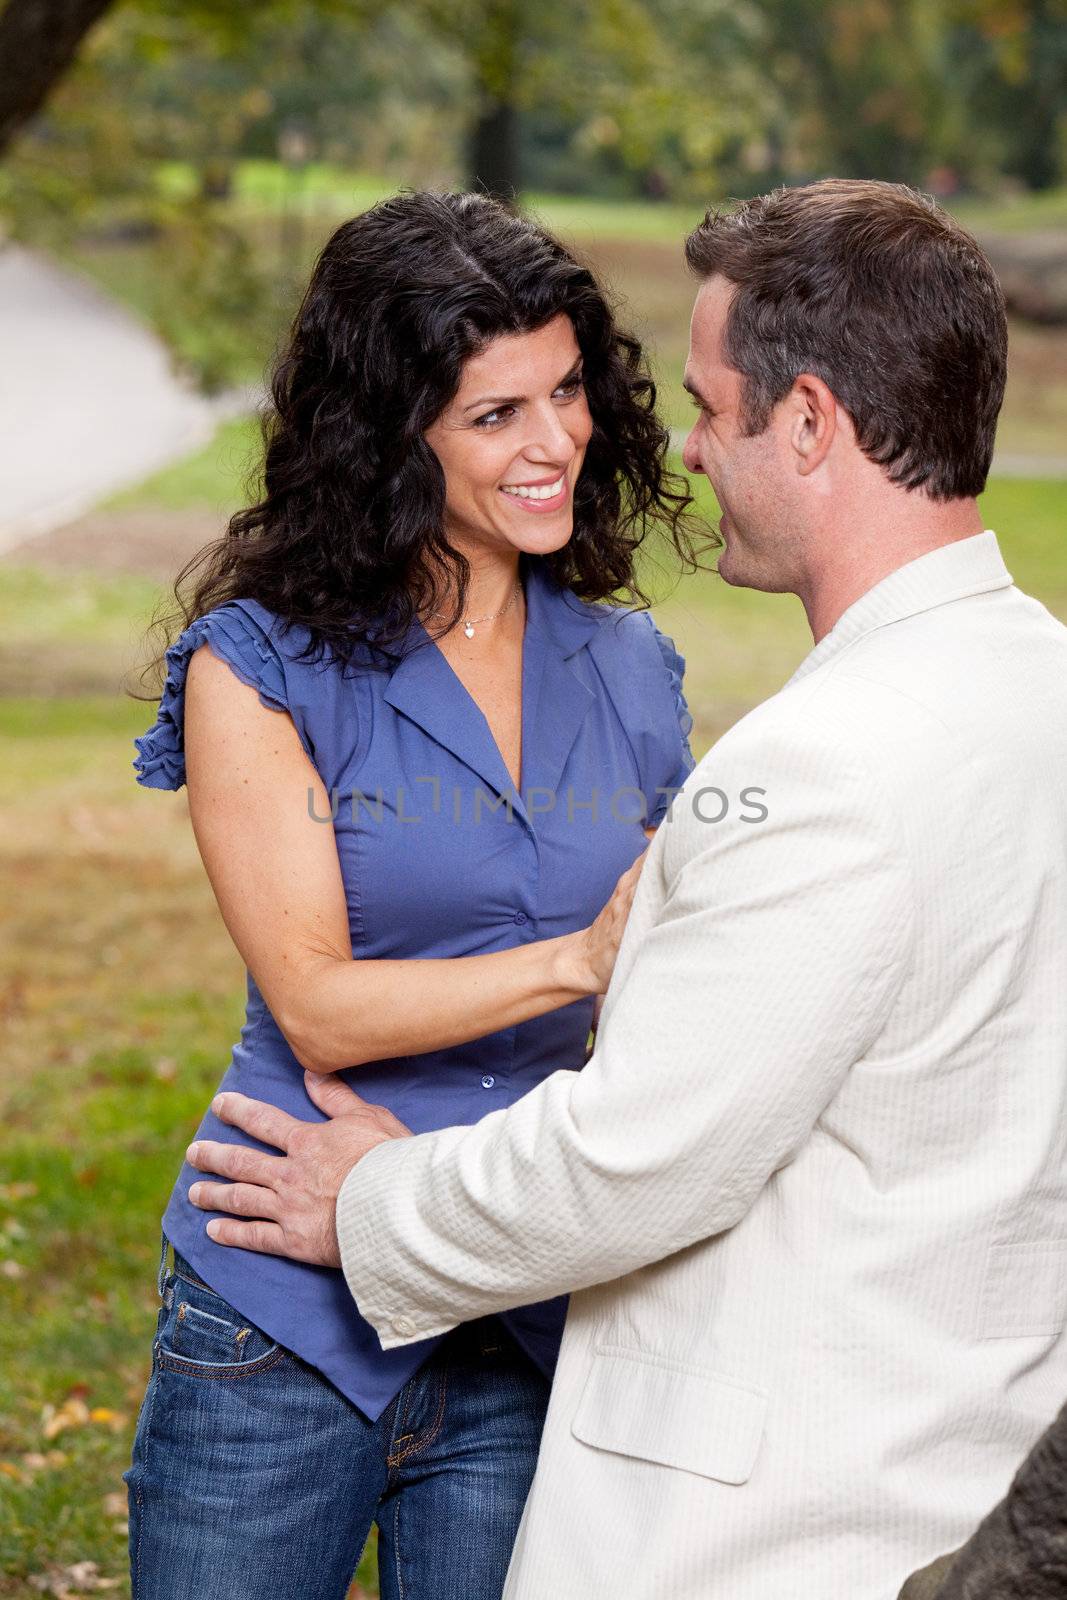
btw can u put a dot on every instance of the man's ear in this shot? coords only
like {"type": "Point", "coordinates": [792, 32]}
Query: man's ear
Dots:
{"type": "Point", "coordinates": [813, 422]}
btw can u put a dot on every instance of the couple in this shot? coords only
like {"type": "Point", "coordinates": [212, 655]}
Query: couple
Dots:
{"type": "Point", "coordinates": [808, 1194]}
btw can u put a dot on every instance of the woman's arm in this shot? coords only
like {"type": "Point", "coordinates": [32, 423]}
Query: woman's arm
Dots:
{"type": "Point", "coordinates": [277, 880]}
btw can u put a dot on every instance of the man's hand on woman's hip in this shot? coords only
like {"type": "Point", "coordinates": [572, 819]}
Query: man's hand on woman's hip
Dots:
{"type": "Point", "coordinates": [287, 1203]}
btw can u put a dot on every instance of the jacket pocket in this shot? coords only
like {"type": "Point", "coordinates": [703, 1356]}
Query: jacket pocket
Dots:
{"type": "Point", "coordinates": [1024, 1290]}
{"type": "Point", "coordinates": [641, 1405]}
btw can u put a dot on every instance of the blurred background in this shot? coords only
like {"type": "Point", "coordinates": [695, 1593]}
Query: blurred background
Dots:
{"type": "Point", "coordinates": [168, 171]}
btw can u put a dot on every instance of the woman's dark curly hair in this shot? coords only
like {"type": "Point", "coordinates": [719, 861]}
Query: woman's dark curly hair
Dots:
{"type": "Point", "coordinates": [348, 538]}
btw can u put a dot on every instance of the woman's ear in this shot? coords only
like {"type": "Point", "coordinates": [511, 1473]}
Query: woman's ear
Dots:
{"type": "Point", "coordinates": [813, 424]}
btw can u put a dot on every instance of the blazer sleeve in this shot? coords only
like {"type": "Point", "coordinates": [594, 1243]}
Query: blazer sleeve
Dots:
{"type": "Point", "coordinates": [732, 1019]}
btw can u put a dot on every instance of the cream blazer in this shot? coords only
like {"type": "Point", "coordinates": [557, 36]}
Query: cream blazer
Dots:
{"type": "Point", "coordinates": [810, 1191]}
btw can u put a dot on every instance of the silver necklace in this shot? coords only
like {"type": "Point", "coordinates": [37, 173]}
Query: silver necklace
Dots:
{"type": "Point", "coordinates": [469, 622]}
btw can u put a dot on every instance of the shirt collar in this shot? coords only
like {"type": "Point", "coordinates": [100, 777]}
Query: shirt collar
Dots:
{"type": "Point", "coordinates": [425, 689]}
{"type": "Point", "coordinates": [556, 611]}
{"type": "Point", "coordinates": [951, 572]}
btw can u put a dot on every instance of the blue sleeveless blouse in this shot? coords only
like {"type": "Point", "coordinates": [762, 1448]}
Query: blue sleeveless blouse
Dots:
{"type": "Point", "coordinates": [440, 856]}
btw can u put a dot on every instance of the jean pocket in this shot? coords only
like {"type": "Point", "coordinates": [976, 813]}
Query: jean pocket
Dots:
{"type": "Point", "coordinates": [204, 1336]}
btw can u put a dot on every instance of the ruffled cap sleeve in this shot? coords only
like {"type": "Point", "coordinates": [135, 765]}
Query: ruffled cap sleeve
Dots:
{"type": "Point", "coordinates": [674, 666]}
{"type": "Point", "coordinates": [240, 639]}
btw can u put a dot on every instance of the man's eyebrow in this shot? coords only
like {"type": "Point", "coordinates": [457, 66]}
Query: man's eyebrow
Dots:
{"type": "Point", "coordinates": [690, 388]}
{"type": "Point", "coordinates": [517, 399]}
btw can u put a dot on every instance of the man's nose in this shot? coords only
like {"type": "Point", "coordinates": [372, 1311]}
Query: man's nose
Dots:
{"type": "Point", "coordinates": [690, 453]}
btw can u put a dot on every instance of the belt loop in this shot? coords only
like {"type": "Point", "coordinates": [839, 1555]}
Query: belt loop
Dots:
{"type": "Point", "coordinates": [161, 1275]}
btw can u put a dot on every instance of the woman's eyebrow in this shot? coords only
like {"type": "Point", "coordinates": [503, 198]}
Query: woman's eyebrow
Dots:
{"type": "Point", "coordinates": [517, 399]}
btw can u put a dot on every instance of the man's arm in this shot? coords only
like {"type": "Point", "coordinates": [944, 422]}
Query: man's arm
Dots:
{"type": "Point", "coordinates": [726, 1030]}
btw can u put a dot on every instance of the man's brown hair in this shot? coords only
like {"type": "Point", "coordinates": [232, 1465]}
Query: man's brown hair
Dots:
{"type": "Point", "coordinates": [877, 291]}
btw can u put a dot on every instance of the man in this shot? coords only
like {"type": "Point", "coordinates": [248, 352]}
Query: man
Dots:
{"type": "Point", "coordinates": [809, 1193]}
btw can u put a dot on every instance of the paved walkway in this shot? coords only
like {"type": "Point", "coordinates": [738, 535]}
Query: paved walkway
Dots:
{"type": "Point", "coordinates": [88, 401]}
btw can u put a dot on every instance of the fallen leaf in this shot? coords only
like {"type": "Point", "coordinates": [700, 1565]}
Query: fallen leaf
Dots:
{"type": "Point", "coordinates": [12, 1269]}
{"type": "Point", "coordinates": [73, 1413]}
{"type": "Point", "coordinates": [116, 1420]}
{"type": "Point", "coordinates": [68, 1583]}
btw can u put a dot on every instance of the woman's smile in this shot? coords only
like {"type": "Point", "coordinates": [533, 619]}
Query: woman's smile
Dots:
{"type": "Point", "coordinates": [539, 497]}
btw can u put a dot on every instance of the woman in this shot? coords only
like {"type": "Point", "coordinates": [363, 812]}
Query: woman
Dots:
{"type": "Point", "coordinates": [414, 739]}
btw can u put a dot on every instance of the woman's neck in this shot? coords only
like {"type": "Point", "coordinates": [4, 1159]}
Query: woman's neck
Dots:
{"type": "Point", "coordinates": [491, 589]}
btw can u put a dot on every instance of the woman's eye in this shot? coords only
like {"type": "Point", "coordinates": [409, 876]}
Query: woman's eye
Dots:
{"type": "Point", "coordinates": [493, 418]}
{"type": "Point", "coordinates": [571, 387]}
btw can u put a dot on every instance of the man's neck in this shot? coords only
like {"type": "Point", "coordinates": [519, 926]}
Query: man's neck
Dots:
{"type": "Point", "coordinates": [853, 564]}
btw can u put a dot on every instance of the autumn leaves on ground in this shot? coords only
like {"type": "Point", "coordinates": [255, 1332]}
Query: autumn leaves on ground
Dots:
{"type": "Point", "coordinates": [120, 993]}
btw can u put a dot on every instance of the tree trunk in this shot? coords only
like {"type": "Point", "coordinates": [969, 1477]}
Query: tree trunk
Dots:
{"type": "Point", "coordinates": [494, 151]}
{"type": "Point", "coordinates": [38, 42]}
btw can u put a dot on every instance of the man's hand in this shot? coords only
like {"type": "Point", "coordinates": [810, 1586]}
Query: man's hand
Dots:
{"type": "Point", "coordinates": [293, 1197]}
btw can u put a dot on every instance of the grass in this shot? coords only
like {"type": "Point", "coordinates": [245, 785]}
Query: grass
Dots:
{"type": "Point", "coordinates": [265, 187]}
{"type": "Point", "coordinates": [121, 995]}
{"type": "Point", "coordinates": [211, 479]}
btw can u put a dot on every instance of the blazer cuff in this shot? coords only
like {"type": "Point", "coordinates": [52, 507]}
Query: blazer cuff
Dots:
{"type": "Point", "coordinates": [376, 1183]}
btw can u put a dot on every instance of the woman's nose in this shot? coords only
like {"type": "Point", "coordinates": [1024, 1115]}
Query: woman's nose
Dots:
{"type": "Point", "coordinates": [552, 437]}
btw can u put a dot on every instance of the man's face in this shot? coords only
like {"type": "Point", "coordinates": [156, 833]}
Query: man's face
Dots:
{"type": "Point", "coordinates": [750, 475]}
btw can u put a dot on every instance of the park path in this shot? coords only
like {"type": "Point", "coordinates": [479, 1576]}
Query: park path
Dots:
{"type": "Point", "coordinates": [88, 401]}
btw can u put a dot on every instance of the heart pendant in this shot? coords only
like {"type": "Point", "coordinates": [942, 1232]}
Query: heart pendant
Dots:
{"type": "Point", "coordinates": [468, 630]}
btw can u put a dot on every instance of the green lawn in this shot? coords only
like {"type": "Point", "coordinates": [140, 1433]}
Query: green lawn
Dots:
{"type": "Point", "coordinates": [265, 187]}
{"type": "Point", "coordinates": [121, 997]}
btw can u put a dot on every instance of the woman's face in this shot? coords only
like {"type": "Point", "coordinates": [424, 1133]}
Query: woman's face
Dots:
{"type": "Point", "coordinates": [512, 441]}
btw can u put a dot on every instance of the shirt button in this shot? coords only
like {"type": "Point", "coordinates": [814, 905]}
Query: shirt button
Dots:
{"type": "Point", "coordinates": [488, 1081]}
{"type": "Point", "coordinates": [520, 917]}
{"type": "Point", "coordinates": [403, 1326]}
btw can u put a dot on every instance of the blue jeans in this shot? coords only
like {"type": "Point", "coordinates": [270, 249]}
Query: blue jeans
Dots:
{"type": "Point", "coordinates": [253, 1478]}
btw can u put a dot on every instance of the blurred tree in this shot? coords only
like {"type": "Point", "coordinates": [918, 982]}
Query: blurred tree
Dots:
{"type": "Point", "coordinates": [622, 75]}
{"type": "Point", "coordinates": [1019, 81]}
{"type": "Point", "coordinates": [858, 84]}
